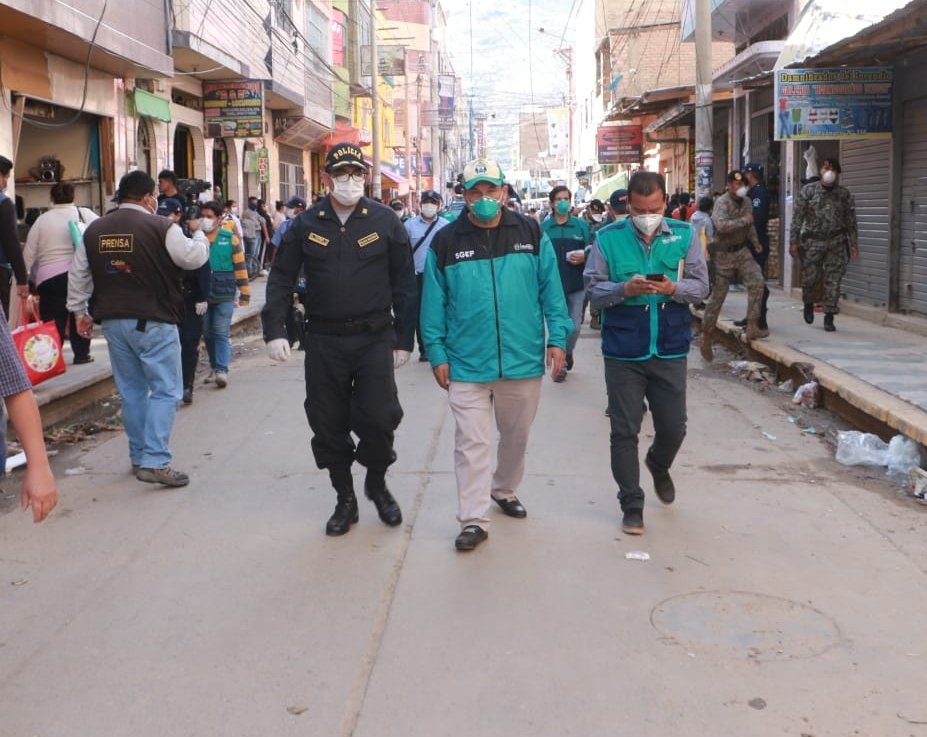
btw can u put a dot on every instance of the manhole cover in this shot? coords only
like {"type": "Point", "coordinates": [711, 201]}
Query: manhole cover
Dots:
{"type": "Point", "coordinates": [741, 624]}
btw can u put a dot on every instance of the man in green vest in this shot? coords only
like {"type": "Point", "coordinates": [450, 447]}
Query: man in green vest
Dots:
{"type": "Point", "coordinates": [643, 273]}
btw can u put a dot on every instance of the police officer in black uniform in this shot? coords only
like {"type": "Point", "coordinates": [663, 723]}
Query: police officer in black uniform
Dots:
{"type": "Point", "coordinates": [759, 197]}
{"type": "Point", "coordinates": [360, 305]}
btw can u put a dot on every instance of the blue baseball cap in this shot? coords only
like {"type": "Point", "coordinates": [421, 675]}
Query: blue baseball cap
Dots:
{"type": "Point", "coordinates": [170, 206]}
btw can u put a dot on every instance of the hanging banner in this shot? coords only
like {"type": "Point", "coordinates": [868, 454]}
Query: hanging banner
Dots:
{"type": "Point", "coordinates": [840, 102]}
{"type": "Point", "coordinates": [620, 144]}
{"type": "Point", "coordinates": [234, 109]}
{"type": "Point", "coordinates": [447, 84]}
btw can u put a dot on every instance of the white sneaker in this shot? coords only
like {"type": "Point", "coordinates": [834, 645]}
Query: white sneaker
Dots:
{"type": "Point", "coordinates": [210, 378]}
{"type": "Point", "coordinates": [262, 272]}
{"type": "Point", "coordinates": [222, 379]}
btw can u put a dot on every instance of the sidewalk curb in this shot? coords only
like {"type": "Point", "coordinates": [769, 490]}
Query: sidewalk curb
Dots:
{"type": "Point", "coordinates": [58, 401]}
{"type": "Point", "coordinates": [867, 399]}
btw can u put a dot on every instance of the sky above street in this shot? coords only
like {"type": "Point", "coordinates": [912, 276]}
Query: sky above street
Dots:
{"type": "Point", "coordinates": [506, 52]}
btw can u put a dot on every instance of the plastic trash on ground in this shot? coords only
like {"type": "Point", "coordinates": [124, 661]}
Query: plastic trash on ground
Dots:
{"type": "Point", "coordinates": [637, 555]}
{"type": "Point", "coordinates": [752, 370]}
{"type": "Point", "coordinates": [856, 448]}
{"type": "Point", "coordinates": [807, 395]}
{"type": "Point", "coordinates": [787, 386]}
{"type": "Point", "coordinates": [918, 478]}
{"type": "Point", "coordinates": [903, 455]}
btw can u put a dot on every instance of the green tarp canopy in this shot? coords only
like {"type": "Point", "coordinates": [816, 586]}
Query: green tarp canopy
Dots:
{"type": "Point", "coordinates": [152, 106]}
{"type": "Point", "coordinates": [604, 189]}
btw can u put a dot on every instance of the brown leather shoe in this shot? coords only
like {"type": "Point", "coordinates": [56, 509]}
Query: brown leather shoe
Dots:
{"type": "Point", "coordinates": [705, 347]}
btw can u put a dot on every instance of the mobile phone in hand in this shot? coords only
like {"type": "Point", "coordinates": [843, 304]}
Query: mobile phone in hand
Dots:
{"type": "Point", "coordinates": [656, 277]}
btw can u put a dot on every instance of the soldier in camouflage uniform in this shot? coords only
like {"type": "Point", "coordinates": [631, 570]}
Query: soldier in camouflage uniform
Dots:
{"type": "Point", "coordinates": [824, 237]}
{"type": "Point", "coordinates": [732, 218]}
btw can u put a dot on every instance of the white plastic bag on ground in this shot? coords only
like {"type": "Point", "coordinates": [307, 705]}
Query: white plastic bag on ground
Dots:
{"type": "Point", "coordinates": [807, 395]}
{"type": "Point", "coordinates": [903, 454]}
{"type": "Point", "coordinates": [856, 448]}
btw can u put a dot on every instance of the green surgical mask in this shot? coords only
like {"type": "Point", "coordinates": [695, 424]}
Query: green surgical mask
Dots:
{"type": "Point", "coordinates": [485, 208]}
{"type": "Point", "coordinates": [562, 207]}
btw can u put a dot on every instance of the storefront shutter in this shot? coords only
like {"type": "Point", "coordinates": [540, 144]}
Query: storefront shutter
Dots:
{"type": "Point", "coordinates": [912, 272]}
{"type": "Point", "coordinates": [867, 174]}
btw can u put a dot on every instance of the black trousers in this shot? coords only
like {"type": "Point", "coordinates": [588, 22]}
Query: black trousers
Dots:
{"type": "Point", "coordinates": [350, 388]}
{"type": "Point", "coordinates": [53, 305]}
{"type": "Point", "coordinates": [762, 258]}
{"type": "Point", "coordinates": [662, 381]}
{"type": "Point", "coordinates": [191, 330]}
{"type": "Point", "coordinates": [419, 281]}
{"type": "Point", "coordinates": [6, 279]}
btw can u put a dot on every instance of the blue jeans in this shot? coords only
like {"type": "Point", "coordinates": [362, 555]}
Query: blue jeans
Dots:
{"type": "Point", "coordinates": [217, 324]}
{"type": "Point", "coordinates": [146, 368]}
{"type": "Point", "coordinates": [574, 302]}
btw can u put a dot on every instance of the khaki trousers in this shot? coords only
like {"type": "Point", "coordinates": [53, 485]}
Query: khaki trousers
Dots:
{"type": "Point", "coordinates": [513, 403]}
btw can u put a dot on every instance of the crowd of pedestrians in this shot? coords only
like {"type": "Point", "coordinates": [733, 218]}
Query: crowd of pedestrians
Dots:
{"type": "Point", "coordinates": [494, 293]}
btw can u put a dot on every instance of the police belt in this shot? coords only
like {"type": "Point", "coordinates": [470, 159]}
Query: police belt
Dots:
{"type": "Point", "coordinates": [726, 247]}
{"type": "Point", "coordinates": [373, 322]}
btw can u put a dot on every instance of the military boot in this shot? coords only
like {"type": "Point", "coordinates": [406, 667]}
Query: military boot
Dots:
{"type": "Point", "coordinates": [808, 312]}
{"type": "Point", "coordinates": [375, 490]}
{"type": "Point", "coordinates": [705, 346]}
{"type": "Point", "coordinates": [345, 513]}
{"type": "Point", "coordinates": [829, 322]}
{"type": "Point", "coordinates": [755, 332]}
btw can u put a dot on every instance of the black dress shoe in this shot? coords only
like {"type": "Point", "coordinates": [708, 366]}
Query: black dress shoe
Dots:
{"type": "Point", "coordinates": [808, 312]}
{"type": "Point", "coordinates": [512, 507]}
{"type": "Point", "coordinates": [469, 537]}
{"type": "Point", "coordinates": [387, 508]}
{"type": "Point", "coordinates": [662, 482]}
{"type": "Point", "coordinates": [632, 522]}
{"type": "Point", "coordinates": [740, 323]}
{"type": "Point", "coordinates": [83, 359]}
{"type": "Point", "coordinates": [343, 517]}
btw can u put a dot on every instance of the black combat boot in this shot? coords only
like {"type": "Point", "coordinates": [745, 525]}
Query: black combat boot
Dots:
{"type": "Point", "coordinates": [345, 513]}
{"type": "Point", "coordinates": [829, 322]}
{"type": "Point", "coordinates": [808, 313]}
{"type": "Point", "coordinates": [375, 490]}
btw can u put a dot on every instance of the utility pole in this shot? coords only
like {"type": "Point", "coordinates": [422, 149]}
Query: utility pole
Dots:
{"type": "Point", "coordinates": [418, 138]}
{"type": "Point", "coordinates": [704, 124]}
{"type": "Point", "coordinates": [376, 184]}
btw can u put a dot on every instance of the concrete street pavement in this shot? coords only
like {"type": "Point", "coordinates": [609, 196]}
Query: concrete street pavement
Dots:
{"type": "Point", "coordinates": [784, 595]}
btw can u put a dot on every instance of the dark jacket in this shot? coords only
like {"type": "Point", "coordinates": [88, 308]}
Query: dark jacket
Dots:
{"type": "Point", "coordinates": [358, 270]}
{"type": "Point", "coordinates": [11, 250]}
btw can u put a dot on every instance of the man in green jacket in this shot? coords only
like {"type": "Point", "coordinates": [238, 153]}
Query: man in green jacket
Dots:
{"type": "Point", "coordinates": [643, 273]}
{"type": "Point", "coordinates": [491, 285]}
{"type": "Point", "coordinates": [569, 235]}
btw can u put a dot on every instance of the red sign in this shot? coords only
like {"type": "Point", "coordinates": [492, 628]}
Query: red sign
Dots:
{"type": "Point", "coordinates": [620, 144]}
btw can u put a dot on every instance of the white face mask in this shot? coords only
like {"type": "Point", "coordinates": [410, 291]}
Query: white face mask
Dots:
{"type": "Point", "coordinates": [288, 212]}
{"type": "Point", "coordinates": [828, 177]}
{"type": "Point", "coordinates": [741, 192]}
{"type": "Point", "coordinates": [348, 193]}
{"type": "Point", "coordinates": [429, 210]}
{"type": "Point", "coordinates": [207, 225]}
{"type": "Point", "coordinates": [596, 217]}
{"type": "Point", "coordinates": [647, 224]}
{"type": "Point", "coordinates": [234, 210]}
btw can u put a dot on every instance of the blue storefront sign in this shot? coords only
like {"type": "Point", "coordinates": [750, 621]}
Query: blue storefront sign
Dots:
{"type": "Point", "coordinates": [842, 102]}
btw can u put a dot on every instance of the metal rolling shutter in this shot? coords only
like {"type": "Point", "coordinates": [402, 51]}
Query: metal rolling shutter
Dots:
{"type": "Point", "coordinates": [912, 272]}
{"type": "Point", "coordinates": [867, 174]}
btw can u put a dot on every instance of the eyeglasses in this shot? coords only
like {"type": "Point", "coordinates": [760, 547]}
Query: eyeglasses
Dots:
{"type": "Point", "coordinates": [344, 176]}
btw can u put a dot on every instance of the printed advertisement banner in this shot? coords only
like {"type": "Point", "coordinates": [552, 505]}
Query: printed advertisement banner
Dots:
{"type": "Point", "coordinates": [620, 144]}
{"type": "Point", "coordinates": [392, 61]}
{"type": "Point", "coordinates": [234, 109]}
{"type": "Point", "coordinates": [833, 103]}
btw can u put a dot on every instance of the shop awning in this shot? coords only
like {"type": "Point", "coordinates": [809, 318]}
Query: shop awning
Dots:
{"type": "Point", "coordinates": [753, 64]}
{"type": "Point", "coordinates": [394, 178]}
{"type": "Point", "coordinates": [824, 23]}
{"type": "Point", "coordinates": [605, 188]}
{"type": "Point", "coordinates": [343, 134]}
{"type": "Point", "coordinates": [152, 106]}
